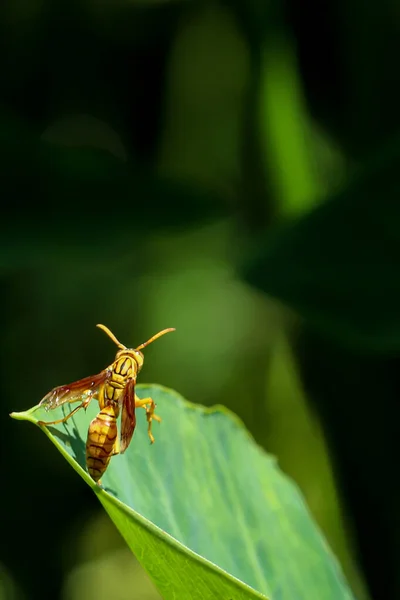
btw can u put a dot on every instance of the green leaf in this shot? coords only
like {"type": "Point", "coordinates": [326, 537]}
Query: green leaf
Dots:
{"type": "Point", "coordinates": [338, 266]}
{"type": "Point", "coordinates": [204, 508]}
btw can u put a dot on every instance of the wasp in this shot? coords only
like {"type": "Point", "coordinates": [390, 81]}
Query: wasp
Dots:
{"type": "Point", "coordinates": [114, 389]}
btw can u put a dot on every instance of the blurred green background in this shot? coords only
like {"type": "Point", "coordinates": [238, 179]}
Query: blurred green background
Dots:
{"type": "Point", "coordinates": [149, 151]}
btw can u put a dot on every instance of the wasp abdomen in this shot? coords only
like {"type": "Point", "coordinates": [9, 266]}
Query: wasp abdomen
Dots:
{"type": "Point", "coordinates": [102, 436]}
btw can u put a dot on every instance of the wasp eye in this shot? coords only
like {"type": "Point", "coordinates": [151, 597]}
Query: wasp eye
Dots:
{"type": "Point", "coordinates": [139, 359]}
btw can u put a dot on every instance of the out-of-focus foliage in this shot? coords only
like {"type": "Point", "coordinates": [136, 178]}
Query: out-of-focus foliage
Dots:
{"type": "Point", "coordinates": [8, 588]}
{"type": "Point", "coordinates": [116, 575]}
{"type": "Point", "coordinates": [205, 491]}
{"type": "Point", "coordinates": [323, 264]}
{"type": "Point", "coordinates": [82, 180]}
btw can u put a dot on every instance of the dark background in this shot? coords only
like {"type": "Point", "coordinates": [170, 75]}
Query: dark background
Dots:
{"type": "Point", "coordinates": [194, 165]}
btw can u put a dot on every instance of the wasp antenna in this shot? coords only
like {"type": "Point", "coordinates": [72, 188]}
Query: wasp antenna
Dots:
{"type": "Point", "coordinates": [111, 335]}
{"type": "Point", "coordinates": [155, 337]}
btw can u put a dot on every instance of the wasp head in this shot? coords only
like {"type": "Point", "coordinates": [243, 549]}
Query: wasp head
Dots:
{"type": "Point", "coordinates": [133, 353]}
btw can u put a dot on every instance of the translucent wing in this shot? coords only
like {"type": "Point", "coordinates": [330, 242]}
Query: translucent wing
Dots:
{"type": "Point", "coordinates": [78, 390]}
{"type": "Point", "coordinates": [128, 417]}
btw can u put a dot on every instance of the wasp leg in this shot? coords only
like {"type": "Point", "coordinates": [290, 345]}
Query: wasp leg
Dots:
{"type": "Point", "coordinates": [83, 404]}
{"type": "Point", "coordinates": [150, 416]}
{"type": "Point", "coordinates": [117, 446]}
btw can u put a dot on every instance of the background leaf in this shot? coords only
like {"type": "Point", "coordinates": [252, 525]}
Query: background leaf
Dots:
{"type": "Point", "coordinates": [338, 265]}
{"type": "Point", "coordinates": [203, 490]}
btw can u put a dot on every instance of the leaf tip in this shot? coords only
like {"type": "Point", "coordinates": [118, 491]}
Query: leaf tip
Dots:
{"type": "Point", "coordinates": [19, 416]}
{"type": "Point", "coordinates": [25, 415]}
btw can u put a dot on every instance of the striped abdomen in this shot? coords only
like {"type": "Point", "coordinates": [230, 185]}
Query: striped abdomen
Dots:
{"type": "Point", "coordinates": [101, 439]}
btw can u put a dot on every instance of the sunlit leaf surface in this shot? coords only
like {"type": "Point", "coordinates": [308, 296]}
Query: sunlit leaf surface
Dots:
{"type": "Point", "coordinates": [205, 509]}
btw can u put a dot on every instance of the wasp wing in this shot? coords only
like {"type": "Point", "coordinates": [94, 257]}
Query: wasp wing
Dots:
{"type": "Point", "coordinates": [75, 391]}
{"type": "Point", "coordinates": [128, 417]}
